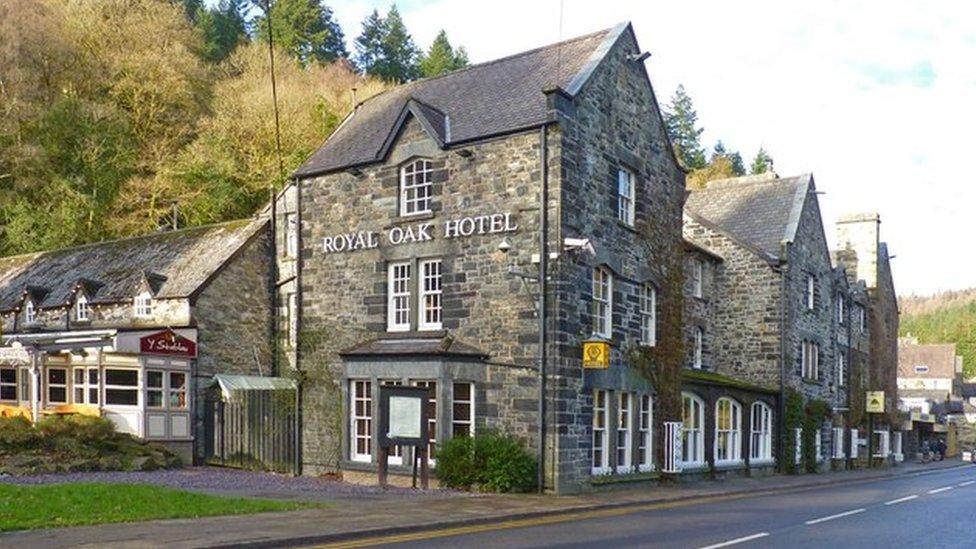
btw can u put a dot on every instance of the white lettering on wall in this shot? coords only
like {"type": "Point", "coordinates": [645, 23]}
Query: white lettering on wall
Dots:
{"type": "Point", "coordinates": [423, 232]}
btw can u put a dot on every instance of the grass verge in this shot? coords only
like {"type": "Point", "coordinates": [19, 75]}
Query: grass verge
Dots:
{"type": "Point", "coordinates": [75, 504]}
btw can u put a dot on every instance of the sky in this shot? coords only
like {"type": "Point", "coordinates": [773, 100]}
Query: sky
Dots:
{"type": "Point", "coordinates": [876, 99]}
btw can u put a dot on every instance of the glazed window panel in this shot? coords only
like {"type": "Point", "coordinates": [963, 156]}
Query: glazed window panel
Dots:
{"type": "Point", "coordinates": [177, 391]}
{"type": "Point", "coordinates": [30, 313]}
{"type": "Point", "coordinates": [57, 386]}
{"type": "Point", "coordinates": [82, 311]}
{"type": "Point", "coordinates": [810, 359]}
{"type": "Point", "coordinates": [122, 387]}
{"type": "Point", "coordinates": [728, 431]}
{"type": "Point", "coordinates": [462, 419]}
{"type": "Point", "coordinates": [399, 299]}
{"type": "Point", "coordinates": [699, 343]}
{"type": "Point", "coordinates": [143, 305]}
{"type": "Point", "coordinates": [625, 196]}
{"type": "Point", "coordinates": [625, 418]}
{"type": "Point", "coordinates": [645, 440]}
{"type": "Point", "coordinates": [692, 433]}
{"type": "Point", "coordinates": [416, 188]}
{"type": "Point", "coordinates": [602, 302]}
{"type": "Point", "coordinates": [761, 432]}
{"type": "Point", "coordinates": [601, 442]}
{"type": "Point", "coordinates": [430, 295]}
{"type": "Point", "coordinates": [648, 315]}
{"type": "Point", "coordinates": [25, 385]}
{"type": "Point", "coordinates": [154, 389]}
{"type": "Point", "coordinates": [8, 383]}
{"type": "Point", "coordinates": [361, 421]}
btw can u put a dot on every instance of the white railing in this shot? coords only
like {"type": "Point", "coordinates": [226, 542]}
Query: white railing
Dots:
{"type": "Point", "coordinates": [672, 447]}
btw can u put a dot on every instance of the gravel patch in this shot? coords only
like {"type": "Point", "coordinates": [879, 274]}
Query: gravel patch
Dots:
{"type": "Point", "coordinates": [238, 482]}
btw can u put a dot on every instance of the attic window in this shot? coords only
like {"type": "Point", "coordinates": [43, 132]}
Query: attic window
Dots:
{"type": "Point", "coordinates": [81, 309]}
{"type": "Point", "coordinates": [416, 188]}
{"type": "Point", "coordinates": [143, 305]}
{"type": "Point", "coordinates": [30, 314]}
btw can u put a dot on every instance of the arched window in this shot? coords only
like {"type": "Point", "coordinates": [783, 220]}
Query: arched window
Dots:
{"type": "Point", "coordinates": [81, 308]}
{"type": "Point", "coordinates": [728, 431]}
{"type": "Point", "coordinates": [416, 187]}
{"type": "Point", "coordinates": [761, 434]}
{"type": "Point", "coordinates": [692, 433]}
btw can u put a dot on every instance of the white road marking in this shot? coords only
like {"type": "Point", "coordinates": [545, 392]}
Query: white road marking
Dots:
{"type": "Point", "coordinates": [837, 516]}
{"type": "Point", "coordinates": [737, 540]}
{"type": "Point", "coordinates": [900, 500]}
{"type": "Point", "coordinates": [967, 483]}
{"type": "Point", "coordinates": [943, 489]}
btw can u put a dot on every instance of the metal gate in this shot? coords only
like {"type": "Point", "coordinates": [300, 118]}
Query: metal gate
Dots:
{"type": "Point", "coordinates": [253, 428]}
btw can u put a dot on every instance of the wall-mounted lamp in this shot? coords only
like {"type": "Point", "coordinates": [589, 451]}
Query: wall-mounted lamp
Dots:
{"type": "Point", "coordinates": [355, 172]}
{"type": "Point", "coordinates": [639, 57]}
{"type": "Point", "coordinates": [465, 153]}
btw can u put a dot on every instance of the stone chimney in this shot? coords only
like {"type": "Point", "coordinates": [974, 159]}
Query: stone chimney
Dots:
{"type": "Point", "coordinates": [860, 233]}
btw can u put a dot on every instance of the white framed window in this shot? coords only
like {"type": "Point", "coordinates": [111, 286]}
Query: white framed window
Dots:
{"type": "Point", "coordinates": [30, 313]}
{"type": "Point", "coordinates": [625, 430]}
{"type": "Point", "coordinates": [361, 421]}
{"type": "Point", "coordinates": [625, 196]}
{"type": "Point", "coordinates": [57, 385]}
{"type": "Point", "coordinates": [8, 384]}
{"type": "Point", "coordinates": [462, 410]}
{"type": "Point", "coordinates": [143, 305]}
{"type": "Point", "coordinates": [810, 292]}
{"type": "Point", "coordinates": [431, 306]}
{"type": "Point", "coordinates": [291, 235]}
{"type": "Point", "coordinates": [416, 188]}
{"type": "Point", "coordinates": [810, 359]}
{"type": "Point", "coordinates": [85, 385]}
{"type": "Point", "coordinates": [761, 433]}
{"type": "Point", "coordinates": [399, 298]}
{"type": "Point", "coordinates": [838, 443]}
{"type": "Point", "coordinates": [699, 342]}
{"type": "Point", "coordinates": [25, 385]}
{"type": "Point", "coordinates": [431, 418]}
{"type": "Point", "coordinates": [176, 391]}
{"type": "Point", "coordinates": [122, 387]}
{"type": "Point", "coordinates": [841, 368]}
{"type": "Point", "coordinates": [648, 315]}
{"type": "Point", "coordinates": [921, 369]}
{"type": "Point", "coordinates": [645, 439]}
{"type": "Point", "coordinates": [602, 302]}
{"type": "Point", "coordinates": [82, 311]}
{"type": "Point", "coordinates": [601, 443]}
{"type": "Point", "coordinates": [697, 278]}
{"type": "Point", "coordinates": [728, 431]}
{"type": "Point", "coordinates": [841, 310]}
{"type": "Point", "coordinates": [692, 433]}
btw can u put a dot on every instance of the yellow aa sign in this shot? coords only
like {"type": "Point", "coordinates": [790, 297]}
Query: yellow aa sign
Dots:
{"type": "Point", "coordinates": [596, 354]}
{"type": "Point", "coordinates": [875, 402]}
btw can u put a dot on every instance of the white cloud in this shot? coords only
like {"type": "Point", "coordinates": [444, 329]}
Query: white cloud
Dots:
{"type": "Point", "coordinates": [836, 88]}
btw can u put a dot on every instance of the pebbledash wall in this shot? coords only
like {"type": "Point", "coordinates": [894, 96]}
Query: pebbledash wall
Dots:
{"type": "Point", "coordinates": [489, 328]}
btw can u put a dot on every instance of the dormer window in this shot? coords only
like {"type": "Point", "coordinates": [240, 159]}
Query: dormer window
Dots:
{"type": "Point", "coordinates": [30, 314]}
{"type": "Point", "coordinates": [82, 311]}
{"type": "Point", "coordinates": [416, 188]}
{"type": "Point", "coordinates": [143, 305]}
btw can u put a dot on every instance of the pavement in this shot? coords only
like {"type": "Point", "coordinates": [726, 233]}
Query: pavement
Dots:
{"type": "Point", "coordinates": [372, 520]}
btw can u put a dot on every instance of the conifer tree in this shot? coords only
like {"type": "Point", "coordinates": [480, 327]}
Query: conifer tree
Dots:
{"type": "Point", "coordinates": [681, 121]}
{"type": "Point", "coordinates": [223, 28]}
{"type": "Point", "coordinates": [442, 57]}
{"type": "Point", "coordinates": [762, 163]}
{"type": "Point", "coordinates": [385, 48]}
{"type": "Point", "coordinates": [306, 29]}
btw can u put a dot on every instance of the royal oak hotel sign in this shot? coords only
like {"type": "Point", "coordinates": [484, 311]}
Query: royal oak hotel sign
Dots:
{"type": "Point", "coordinates": [421, 232]}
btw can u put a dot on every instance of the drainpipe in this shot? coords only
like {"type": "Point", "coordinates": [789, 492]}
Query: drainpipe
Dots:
{"type": "Point", "coordinates": [783, 323]}
{"type": "Point", "coordinates": [299, 418]}
{"type": "Point", "coordinates": [543, 290]}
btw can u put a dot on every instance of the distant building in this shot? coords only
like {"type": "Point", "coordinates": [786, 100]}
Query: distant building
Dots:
{"type": "Point", "coordinates": [928, 375]}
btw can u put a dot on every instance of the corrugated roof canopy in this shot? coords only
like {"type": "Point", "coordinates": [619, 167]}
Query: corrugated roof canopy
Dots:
{"type": "Point", "coordinates": [230, 383]}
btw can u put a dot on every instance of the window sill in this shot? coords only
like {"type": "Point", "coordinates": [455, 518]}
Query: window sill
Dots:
{"type": "Point", "coordinates": [409, 218]}
{"type": "Point", "coordinates": [627, 226]}
{"type": "Point", "coordinates": [764, 462]}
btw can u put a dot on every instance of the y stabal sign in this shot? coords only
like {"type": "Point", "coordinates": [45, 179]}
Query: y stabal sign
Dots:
{"type": "Point", "coordinates": [421, 232]}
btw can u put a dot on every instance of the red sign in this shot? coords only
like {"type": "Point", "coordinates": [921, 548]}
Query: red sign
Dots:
{"type": "Point", "coordinates": [168, 342]}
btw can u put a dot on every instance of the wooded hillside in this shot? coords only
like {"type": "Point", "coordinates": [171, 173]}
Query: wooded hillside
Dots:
{"type": "Point", "coordinates": [946, 317]}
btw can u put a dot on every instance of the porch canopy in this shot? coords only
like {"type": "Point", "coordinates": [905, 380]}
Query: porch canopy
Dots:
{"type": "Point", "coordinates": [229, 383]}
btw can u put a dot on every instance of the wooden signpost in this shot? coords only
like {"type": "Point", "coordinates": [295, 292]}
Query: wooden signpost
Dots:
{"type": "Point", "coordinates": [404, 422]}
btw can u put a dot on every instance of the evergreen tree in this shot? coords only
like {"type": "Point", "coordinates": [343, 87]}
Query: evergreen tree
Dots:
{"type": "Point", "coordinates": [681, 121]}
{"type": "Point", "coordinates": [304, 28]}
{"type": "Point", "coordinates": [734, 158]}
{"type": "Point", "coordinates": [223, 28]}
{"type": "Point", "coordinates": [442, 58]}
{"type": "Point", "coordinates": [762, 163]}
{"type": "Point", "coordinates": [385, 48]}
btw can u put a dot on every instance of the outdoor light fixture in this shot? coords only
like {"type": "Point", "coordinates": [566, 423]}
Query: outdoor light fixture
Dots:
{"type": "Point", "coordinates": [504, 246]}
{"type": "Point", "coordinates": [355, 172]}
{"type": "Point", "coordinates": [639, 57]}
{"type": "Point", "coordinates": [464, 153]}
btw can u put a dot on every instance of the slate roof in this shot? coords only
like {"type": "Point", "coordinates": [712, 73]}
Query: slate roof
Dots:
{"type": "Point", "coordinates": [479, 101]}
{"type": "Point", "coordinates": [939, 357]}
{"type": "Point", "coordinates": [760, 212]}
{"type": "Point", "coordinates": [174, 263]}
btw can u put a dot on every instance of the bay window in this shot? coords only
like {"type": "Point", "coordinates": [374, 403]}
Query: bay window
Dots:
{"type": "Point", "coordinates": [121, 387]}
{"type": "Point", "coordinates": [85, 385]}
{"type": "Point", "coordinates": [462, 410]}
{"type": "Point", "coordinates": [361, 421]}
{"type": "Point", "coordinates": [154, 389]}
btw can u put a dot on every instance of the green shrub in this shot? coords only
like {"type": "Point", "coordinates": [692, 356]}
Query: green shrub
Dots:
{"type": "Point", "coordinates": [488, 462]}
{"type": "Point", "coordinates": [17, 433]}
{"type": "Point", "coordinates": [91, 430]}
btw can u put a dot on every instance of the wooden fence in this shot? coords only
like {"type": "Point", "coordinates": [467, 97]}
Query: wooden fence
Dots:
{"type": "Point", "coordinates": [253, 429]}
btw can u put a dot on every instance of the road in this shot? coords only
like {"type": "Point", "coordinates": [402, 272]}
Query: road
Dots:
{"type": "Point", "coordinates": [932, 510]}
